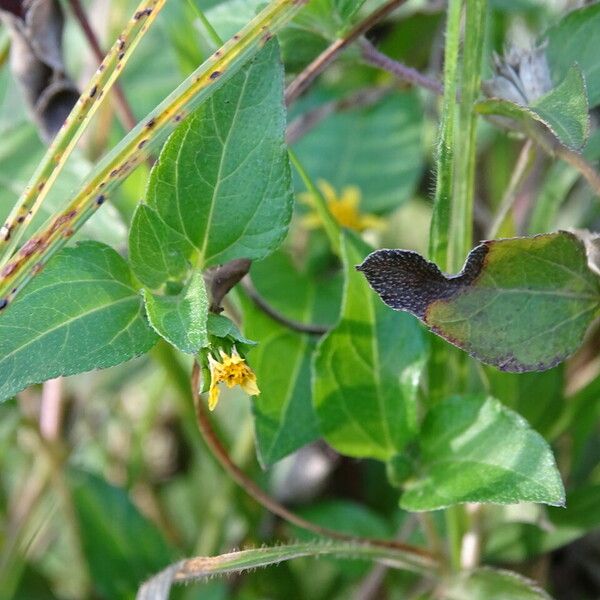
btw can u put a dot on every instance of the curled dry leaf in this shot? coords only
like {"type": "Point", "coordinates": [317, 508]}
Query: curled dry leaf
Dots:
{"type": "Point", "coordinates": [36, 60]}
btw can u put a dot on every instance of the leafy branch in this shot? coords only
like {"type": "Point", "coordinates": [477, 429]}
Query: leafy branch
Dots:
{"type": "Point", "coordinates": [409, 554]}
{"type": "Point", "coordinates": [134, 148]}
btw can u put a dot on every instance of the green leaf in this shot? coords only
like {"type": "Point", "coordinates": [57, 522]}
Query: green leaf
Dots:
{"type": "Point", "coordinates": [366, 371]}
{"type": "Point", "coordinates": [221, 326]}
{"type": "Point", "coordinates": [492, 584]}
{"type": "Point", "coordinates": [121, 546]}
{"type": "Point", "coordinates": [81, 312]}
{"type": "Point", "coordinates": [563, 111]}
{"type": "Point", "coordinates": [157, 253]}
{"type": "Point", "coordinates": [474, 449]}
{"type": "Point", "coordinates": [222, 186]}
{"type": "Point", "coordinates": [361, 147]}
{"type": "Point", "coordinates": [521, 304]}
{"type": "Point", "coordinates": [283, 414]}
{"type": "Point", "coordinates": [329, 18]}
{"type": "Point", "coordinates": [575, 39]}
{"type": "Point", "coordinates": [181, 319]}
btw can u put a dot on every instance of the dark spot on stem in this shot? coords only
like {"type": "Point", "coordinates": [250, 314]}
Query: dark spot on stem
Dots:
{"type": "Point", "coordinates": [215, 74]}
{"type": "Point", "coordinates": [30, 247]}
{"type": "Point", "coordinates": [93, 91]}
{"type": "Point", "coordinates": [3, 303]}
{"type": "Point", "coordinates": [8, 269]}
{"type": "Point", "coordinates": [142, 13]}
{"type": "Point", "coordinates": [142, 144]}
{"type": "Point", "coordinates": [151, 123]}
{"type": "Point", "coordinates": [100, 199]}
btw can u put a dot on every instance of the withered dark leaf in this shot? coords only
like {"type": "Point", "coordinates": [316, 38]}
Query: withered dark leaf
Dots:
{"type": "Point", "coordinates": [521, 304]}
{"type": "Point", "coordinates": [36, 60]}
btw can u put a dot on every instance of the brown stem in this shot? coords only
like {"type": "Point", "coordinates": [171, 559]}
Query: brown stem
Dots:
{"type": "Point", "coordinates": [377, 59]}
{"type": "Point", "coordinates": [126, 115]}
{"type": "Point", "coordinates": [249, 486]}
{"type": "Point", "coordinates": [577, 161]}
{"type": "Point", "coordinates": [305, 122]}
{"type": "Point", "coordinates": [317, 66]}
{"type": "Point", "coordinates": [261, 303]}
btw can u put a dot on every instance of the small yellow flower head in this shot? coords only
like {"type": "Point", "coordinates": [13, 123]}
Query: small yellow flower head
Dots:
{"type": "Point", "coordinates": [232, 371]}
{"type": "Point", "coordinates": [344, 208]}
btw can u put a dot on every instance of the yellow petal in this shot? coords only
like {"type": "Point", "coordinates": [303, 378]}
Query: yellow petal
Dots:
{"type": "Point", "coordinates": [327, 190]}
{"type": "Point", "coordinates": [351, 196]}
{"type": "Point", "coordinates": [311, 221]}
{"type": "Point", "coordinates": [213, 396]}
{"type": "Point", "coordinates": [249, 386]}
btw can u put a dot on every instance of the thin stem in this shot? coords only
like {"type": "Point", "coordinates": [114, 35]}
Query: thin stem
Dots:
{"type": "Point", "coordinates": [250, 487]}
{"type": "Point", "coordinates": [579, 162]}
{"type": "Point", "coordinates": [332, 229]}
{"type": "Point", "coordinates": [212, 32]}
{"type": "Point", "coordinates": [261, 303]}
{"type": "Point", "coordinates": [521, 169]}
{"type": "Point", "coordinates": [135, 147]}
{"type": "Point", "coordinates": [377, 59]}
{"type": "Point", "coordinates": [63, 144]}
{"type": "Point", "coordinates": [123, 108]}
{"type": "Point", "coordinates": [317, 66]}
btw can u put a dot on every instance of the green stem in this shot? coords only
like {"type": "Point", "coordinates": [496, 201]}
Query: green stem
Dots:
{"type": "Point", "coordinates": [203, 567]}
{"type": "Point", "coordinates": [212, 32]}
{"type": "Point", "coordinates": [455, 530]}
{"type": "Point", "coordinates": [440, 220]}
{"type": "Point", "coordinates": [134, 148]}
{"type": "Point", "coordinates": [451, 226]}
{"type": "Point", "coordinates": [510, 195]}
{"type": "Point", "coordinates": [461, 226]}
{"type": "Point", "coordinates": [65, 141]}
{"type": "Point", "coordinates": [332, 229]}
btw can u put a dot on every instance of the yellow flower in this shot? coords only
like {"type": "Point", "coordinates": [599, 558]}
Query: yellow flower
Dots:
{"type": "Point", "coordinates": [232, 370]}
{"type": "Point", "coordinates": [344, 208]}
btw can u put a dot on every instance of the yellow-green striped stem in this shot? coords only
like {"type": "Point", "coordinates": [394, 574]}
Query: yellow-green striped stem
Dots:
{"type": "Point", "coordinates": [61, 147]}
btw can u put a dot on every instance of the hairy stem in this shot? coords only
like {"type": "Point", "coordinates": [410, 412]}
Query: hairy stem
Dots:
{"type": "Point", "coordinates": [440, 221]}
{"type": "Point", "coordinates": [377, 59]}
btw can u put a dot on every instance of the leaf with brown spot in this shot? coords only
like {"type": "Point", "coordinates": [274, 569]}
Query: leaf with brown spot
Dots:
{"type": "Point", "coordinates": [521, 304]}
